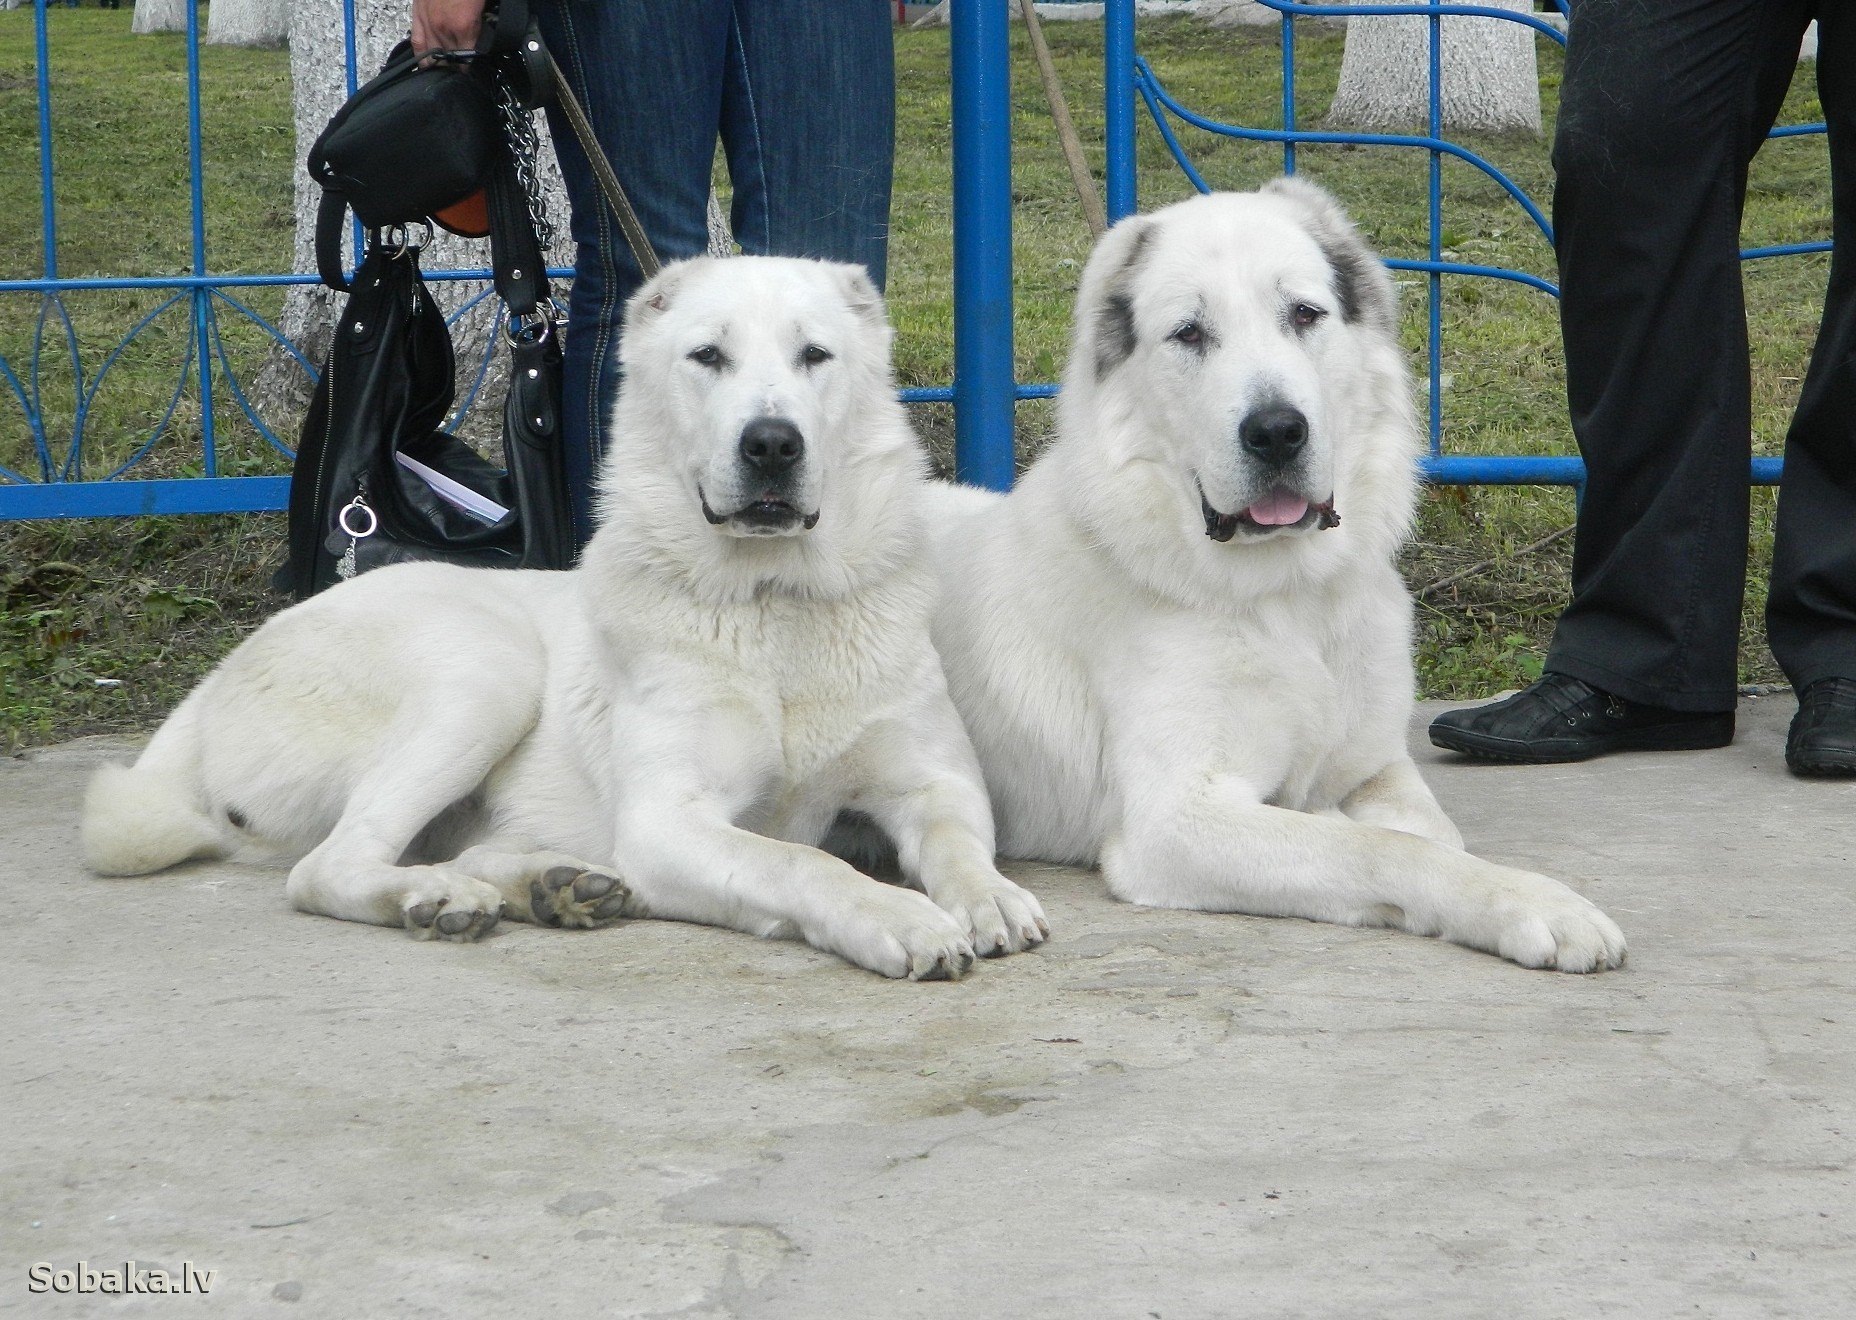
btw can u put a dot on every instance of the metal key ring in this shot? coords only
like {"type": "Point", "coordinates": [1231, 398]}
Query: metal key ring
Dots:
{"type": "Point", "coordinates": [534, 329]}
{"type": "Point", "coordinates": [399, 237]}
{"type": "Point", "coordinates": [373, 520]}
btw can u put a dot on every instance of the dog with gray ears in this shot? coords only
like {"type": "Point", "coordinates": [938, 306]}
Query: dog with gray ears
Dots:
{"type": "Point", "coordinates": [1181, 645]}
{"type": "Point", "coordinates": [669, 730]}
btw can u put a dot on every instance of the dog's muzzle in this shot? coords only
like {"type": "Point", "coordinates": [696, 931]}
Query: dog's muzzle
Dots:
{"type": "Point", "coordinates": [761, 516]}
{"type": "Point", "coordinates": [1282, 509]}
{"type": "Point", "coordinates": [770, 452]}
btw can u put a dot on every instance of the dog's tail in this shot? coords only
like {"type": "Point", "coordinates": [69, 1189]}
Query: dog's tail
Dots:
{"type": "Point", "coordinates": [153, 814]}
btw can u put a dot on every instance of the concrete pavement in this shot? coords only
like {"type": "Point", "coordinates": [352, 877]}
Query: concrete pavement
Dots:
{"type": "Point", "coordinates": [1159, 1114]}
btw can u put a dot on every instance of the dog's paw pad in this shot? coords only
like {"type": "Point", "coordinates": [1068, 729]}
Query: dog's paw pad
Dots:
{"type": "Point", "coordinates": [571, 896]}
{"type": "Point", "coordinates": [592, 885]}
{"type": "Point", "coordinates": [613, 906]}
{"type": "Point", "coordinates": [460, 922]}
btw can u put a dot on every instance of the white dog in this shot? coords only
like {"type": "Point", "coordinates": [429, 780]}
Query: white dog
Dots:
{"type": "Point", "coordinates": [1181, 644]}
{"type": "Point", "coordinates": [667, 731]}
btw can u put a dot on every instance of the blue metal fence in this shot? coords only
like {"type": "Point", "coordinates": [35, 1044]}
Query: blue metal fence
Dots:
{"type": "Point", "coordinates": [61, 487]}
{"type": "Point", "coordinates": [984, 391]}
{"type": "Point", "coordinates": [984, 423]}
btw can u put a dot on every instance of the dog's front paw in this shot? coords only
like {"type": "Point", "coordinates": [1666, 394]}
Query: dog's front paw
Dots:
{"type": "Point", "coordinates": [1560, 929]}
{"type": "Point", "coordinates": [998, 916]}
{"type": "Point", "coordinates": [898, 933]}
{"type": "Point", "coordinates": [581, 898]}
{"type": "Point", "coordinates": [447, 906]}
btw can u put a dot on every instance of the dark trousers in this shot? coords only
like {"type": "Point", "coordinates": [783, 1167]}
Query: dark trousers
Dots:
{"type": "Point", "coordinates": [1662, 106]}
{"type": "Point", "coordinates": [801, 94]}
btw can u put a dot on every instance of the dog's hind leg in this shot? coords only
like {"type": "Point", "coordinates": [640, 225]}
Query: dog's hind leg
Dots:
{"type": "Point", "coordinates": [547, 888]}
{"type": "Point", "coordinates": [431, 759]}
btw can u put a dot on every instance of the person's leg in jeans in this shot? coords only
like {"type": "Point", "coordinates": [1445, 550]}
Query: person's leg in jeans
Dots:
{"type": "Point", "coordinates": [651, 78]}
{"type": "Point", "coordinates": [1811, 614]}
{"type": "Point", "coordinates": [1662, 108]}
{"type": "Point", "coordinates": [809, 122]}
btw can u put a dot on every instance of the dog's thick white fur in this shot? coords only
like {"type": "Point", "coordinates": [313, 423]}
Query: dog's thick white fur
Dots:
{"type": "Point", "coordinates": [667, 731]}
{"type": "Point", "coordinates": [1181, 644]}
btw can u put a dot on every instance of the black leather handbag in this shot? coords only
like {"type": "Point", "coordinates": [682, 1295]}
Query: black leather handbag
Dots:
{"type": "Point", "coordinates": [377, 479]}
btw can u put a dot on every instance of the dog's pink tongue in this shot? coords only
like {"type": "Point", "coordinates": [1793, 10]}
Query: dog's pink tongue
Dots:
{"type": "Point", "coordinates": [1278, 509]}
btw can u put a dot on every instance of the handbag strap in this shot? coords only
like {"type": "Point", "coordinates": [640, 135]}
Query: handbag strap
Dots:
{"type": "Point", "coordinates": [518, 266]}
{"type": "Point", "coordinates": [331, 219]}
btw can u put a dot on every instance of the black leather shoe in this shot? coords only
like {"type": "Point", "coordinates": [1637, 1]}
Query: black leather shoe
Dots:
{"type": "Point", "coordinates": [1823, 737]}
{"type": "Point", "coordinates": [1560, 718]}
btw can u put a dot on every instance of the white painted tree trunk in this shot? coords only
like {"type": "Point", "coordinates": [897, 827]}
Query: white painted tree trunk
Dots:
{"type": "Point", "coordinates": [264, 23]}
{"type": "Point", "coordinates": [1235, 13]}
{"type": "Point", "coordinates": [160, 16]}
{"type": "Point", "coordinates": [721, 241]}
{"type": "Point", "coordinates": [1490, 83]}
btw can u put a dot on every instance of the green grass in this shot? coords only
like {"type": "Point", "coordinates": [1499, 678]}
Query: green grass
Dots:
{"type": "Point", "coordinates": [154, 602]}
{"type": "Point", "coordinates": [120, 150]}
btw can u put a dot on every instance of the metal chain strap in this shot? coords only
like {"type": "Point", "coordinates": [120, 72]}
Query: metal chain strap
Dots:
{"type": "Point", "coordinates": [525, 146]}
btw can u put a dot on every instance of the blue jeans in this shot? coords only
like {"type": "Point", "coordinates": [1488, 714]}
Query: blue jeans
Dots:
{"type": "Point", "coordinates": [802, 95]}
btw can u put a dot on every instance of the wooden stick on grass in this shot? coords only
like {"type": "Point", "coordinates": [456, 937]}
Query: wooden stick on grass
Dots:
{"type": "Point", "coordinates": [1066, 129]}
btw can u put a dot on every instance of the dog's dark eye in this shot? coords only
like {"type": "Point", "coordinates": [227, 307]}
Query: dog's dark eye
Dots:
{"type": "Point", "coordinates": [1303, 316]}
{"type": "Point", "coordinates": [1191, 334]}
{"type": "Point", "coordinates": [813, 355]}
{"type": "Point", "coordinates": [709, 355]}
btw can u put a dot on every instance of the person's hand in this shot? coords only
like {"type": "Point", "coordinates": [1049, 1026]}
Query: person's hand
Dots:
{"type": "Point", "coordinates": [446, 24]}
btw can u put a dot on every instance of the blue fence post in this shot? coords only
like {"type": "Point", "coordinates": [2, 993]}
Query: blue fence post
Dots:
{"type": "Point", "coordinates": [1118, 107]}
{"type": "Point", "coordinates": [1434, 281]}
{"type": "Point", "coordinates": [202, 296]}
{"type": "Point", "coordinates": [48, 221]}
{"type": "Point", "coordinates": [1288, 94]}
{"type": "Point", "coordinates": [984, 389]}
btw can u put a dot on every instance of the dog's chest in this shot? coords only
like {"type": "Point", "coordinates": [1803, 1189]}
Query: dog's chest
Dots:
{"type": "Point", "coordinates": [1351, 689]}
{"type": "Point", "coordinates": [1293, 701]}
{"type": "Point", "coordinates": [820, 675]}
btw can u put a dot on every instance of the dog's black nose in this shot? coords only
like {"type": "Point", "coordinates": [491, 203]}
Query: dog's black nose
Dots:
{"type": "Point", "coordinates": [1274, 434]}
{"type": "Point", "coordinates": [771, 445]}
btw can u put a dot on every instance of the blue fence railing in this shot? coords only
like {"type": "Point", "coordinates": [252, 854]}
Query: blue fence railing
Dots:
{"type": "Point", "coordinates": [56, 481]}
{"type": "Point", "coordinates": [984, 391]}
{"type": "Point", "coordinates": [984, 424]}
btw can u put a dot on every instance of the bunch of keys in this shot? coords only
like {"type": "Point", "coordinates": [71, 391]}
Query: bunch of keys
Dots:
{"type": "Point", "coordinates": [358, 522]}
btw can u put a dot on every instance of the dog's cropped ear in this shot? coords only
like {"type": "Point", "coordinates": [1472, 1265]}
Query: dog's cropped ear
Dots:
{"type": "Point", "coordinates": [861, 295]}
{"type": "Point", "coordinates": [657, 293]}
{"type": "Point", "coordinates": [1105, 317]}
{"type": "Point", "coordinates": [1360, 277]}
